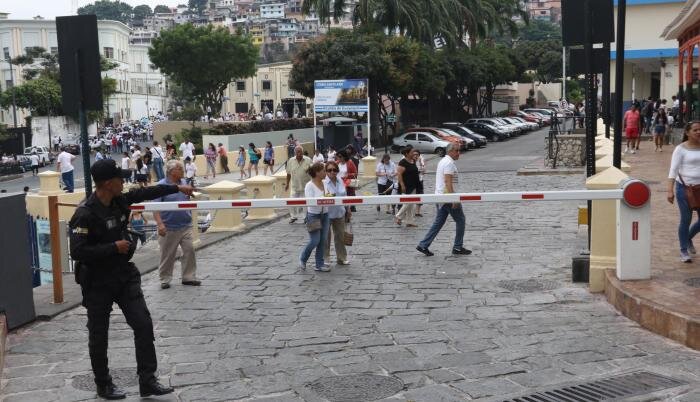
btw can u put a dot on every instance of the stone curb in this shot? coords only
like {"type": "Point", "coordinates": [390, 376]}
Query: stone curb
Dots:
{"type": "Point", "coordinates": [11, 177]}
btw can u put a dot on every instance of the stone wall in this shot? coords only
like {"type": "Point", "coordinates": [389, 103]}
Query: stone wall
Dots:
{"type": "Point", "coordinates": [572, 151]}
{"type": "Point", "coordinates": [3, 336]}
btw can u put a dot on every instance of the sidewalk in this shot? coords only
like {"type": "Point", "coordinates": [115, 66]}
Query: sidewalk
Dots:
{"type": "Point", "coordinates": [668, 303]}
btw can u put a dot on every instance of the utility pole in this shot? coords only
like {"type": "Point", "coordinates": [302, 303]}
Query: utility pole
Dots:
{"type": "Point", "coordinates": [619, 82]}
{"type": "Point", "coordinates": [563, 72]}
{"type": "Point", "coordinates": [14, 101]}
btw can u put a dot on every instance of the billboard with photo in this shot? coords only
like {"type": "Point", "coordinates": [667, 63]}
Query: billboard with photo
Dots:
{"type": "Point", "coordinates": [341, 95]}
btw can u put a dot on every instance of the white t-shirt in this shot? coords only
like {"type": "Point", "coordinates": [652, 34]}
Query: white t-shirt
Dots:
{"type": "Point", "coordinates": [34, 159]}
{"type": "Point", "coordinates": [446, 166]}
{"type": "Point", "coordinates": [125, 163]}
{"type": "Point", "coordinates": [187, 149]}
{"type": "Point", "coordinates": [65, 159]}
{"type": "Point", "coordinates": [311, 191]}
{"type": "Point", "coordinates": [190, 170]}
{"type": "Point", "coordinates": [318, 158]}
{"type": "Point", "coordinates": [390, 171]}
{"type": "Point", "coordinates": [143, 170]}
{"type": "Point", "coordinates": [136, 155]}
{"type": "Point", "coordinates": [342, 170]}
{"type": "Point", "coordinates": [158, 153]}
{"type": "Point", "coordinates": [331, 155]}
{"type": "Point", "coordinates": [686, 162]}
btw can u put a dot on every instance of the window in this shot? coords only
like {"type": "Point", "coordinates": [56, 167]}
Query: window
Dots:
{"type": "Point", "coordinates": [138, 67]}
{"type": "Point", "coordinates": [240, 85]}
{"type": "Point", "coordinates": [410, 137]}
{"type": "Point", "coordinates": [267, 85]}
{"type": "Point", "coordinates": [423, 137]}
{"type": "Point", "coordinates": [108, 52]}
{"type": "Point", "coordinates": [53, 50]}
{"type": "Point", "coordinates": [6, 53]}
{"type": "Point", "coordinates": [8, 84]}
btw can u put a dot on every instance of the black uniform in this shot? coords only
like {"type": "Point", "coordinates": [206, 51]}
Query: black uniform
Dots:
{"type": "Point", "coordinates": [107, 277]}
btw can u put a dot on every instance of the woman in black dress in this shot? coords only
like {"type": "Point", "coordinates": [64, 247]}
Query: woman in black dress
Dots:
{"type": "Point", "coordinates": [409, 179]}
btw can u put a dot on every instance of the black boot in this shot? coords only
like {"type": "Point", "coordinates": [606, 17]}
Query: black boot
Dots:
{"type": "Point", "coordinates": [110, 392]}
{"type": "Point", "coordinates": [153, 387]}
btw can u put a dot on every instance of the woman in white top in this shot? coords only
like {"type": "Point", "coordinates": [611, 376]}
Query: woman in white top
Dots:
{"type": "Point", "coordinates": [126, 164]}
{"type": "Point", "coordinates": [386, 177]}
{"type": "Point", "coordinates": [316, 219]}
{"type": "Point", "coordinates": [337, 215]}
{"type": "Point", "coordinates": [318, 157]}
{"type": "Point", "coordinates": [420, 162]}
{"type": "Point", "coordinates": [685, 168]}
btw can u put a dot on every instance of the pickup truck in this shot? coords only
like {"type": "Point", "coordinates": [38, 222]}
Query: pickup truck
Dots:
{"type": "Point", "coordinates": [45, 156]}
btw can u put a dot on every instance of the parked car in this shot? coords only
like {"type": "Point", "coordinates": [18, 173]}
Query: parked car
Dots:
{"type": "Point", "coordinates": [527, 126]}
{"type": "Point", "coordinates": [524, 128]}
{"type": "Point", "coordinates": [45, 156]}
{"type": "Point", "coordinates": [421, 140]}
{"type": "Point", "coordinates": [529, 117]}
{"type": "Point", "coordinates": [470, 143]}
{"type": "Point", "coordinates": [458, 142]}
{"type": "Point", "coordinates": [510, 130]}
{"type": "Point", "coordinates": [73, 149]}
{"type": "Point", "coordinates": [533, 124]}
{"type": "Point", "coordinates": [492, 132]}
{"type": "Point", "coordinates": [479, 140]}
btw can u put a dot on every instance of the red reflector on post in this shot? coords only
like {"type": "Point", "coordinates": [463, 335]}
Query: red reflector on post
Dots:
{"type": "Point", "coordinates": [187, 205]}
{"type": "Point", "coordinates": [137, 207]}
{"type": "Point", "coordinates": [296, 202]}
{"type": "Point", "coordinates": [241, 204]}
{"type": "Point", "coordinates": [409, 199]}
{"type": "Point", "coordinates": [532, 196]}
{"type": "Point", "coordinates": [470, 198]}
{"type": "Point", "coordinates": [352, 201]}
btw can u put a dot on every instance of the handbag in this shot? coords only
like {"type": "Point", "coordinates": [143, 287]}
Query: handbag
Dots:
{"type": "Point", "coordinates": [692, 194]}
{"type": "Point", "coordinates": [313, 225]}
{"type": "Point", "coordinates": [348, 236]}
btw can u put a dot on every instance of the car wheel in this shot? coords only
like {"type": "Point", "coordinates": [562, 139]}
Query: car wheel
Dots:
{"type": "Point", "coordinates": [440, 152]}
{"type": "Point", "coordinates": [495, 138]}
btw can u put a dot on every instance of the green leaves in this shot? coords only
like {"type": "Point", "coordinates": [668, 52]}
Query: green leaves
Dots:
{"type": "Point", "coordinates": [204, 60]}
{"type": "Point", "coordinates": [108, 10]}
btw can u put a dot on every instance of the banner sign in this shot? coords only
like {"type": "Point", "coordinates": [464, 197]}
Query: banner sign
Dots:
{"type": "Point", "coordinates": [341, 96]}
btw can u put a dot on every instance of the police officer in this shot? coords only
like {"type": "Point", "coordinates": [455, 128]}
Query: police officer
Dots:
{"type": "Point", "coordinates": [99, 242]}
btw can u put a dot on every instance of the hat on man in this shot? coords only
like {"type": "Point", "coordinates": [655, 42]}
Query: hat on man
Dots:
{"type": "Point", "coordinates": [106, 169]}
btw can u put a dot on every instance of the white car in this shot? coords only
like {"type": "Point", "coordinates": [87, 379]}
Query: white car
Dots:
{"type": "Point", "coordinates": [45, 157]}
{"type": "Point", "coordinates": [422, 141]}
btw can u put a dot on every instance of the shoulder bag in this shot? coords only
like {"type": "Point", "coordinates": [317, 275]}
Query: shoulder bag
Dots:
{"type": "Point", "coordinates": [692, 194]}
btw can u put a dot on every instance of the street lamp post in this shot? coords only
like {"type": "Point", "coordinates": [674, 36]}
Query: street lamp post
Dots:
{"type": "Point", "coordinates": [14, 101]}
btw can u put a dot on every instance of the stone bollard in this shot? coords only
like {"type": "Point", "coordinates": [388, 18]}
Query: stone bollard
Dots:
{"type": "Point", "coordinates": [49, 183]}
{"type": "Point", "coordinates": [260, 187]}
{"type": "Point", "coordinates": [280, 181]}
{"type": "Point", "coordinates": [603, 239]}
{"type": "Point", "coordinates": [367, 170]}
{"type": "Point", "coordinates": [225, 220]}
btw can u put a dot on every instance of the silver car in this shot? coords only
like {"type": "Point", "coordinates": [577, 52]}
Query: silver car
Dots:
{"type": "Point", "coordinates": [424, 142]}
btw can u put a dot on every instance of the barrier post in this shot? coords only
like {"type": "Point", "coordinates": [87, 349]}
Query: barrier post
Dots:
{"type": "Point", "coordinates": [55, 250]}
{"type": "Point", "coordinates": [634, 231]}
{"type": "Point", "coordinates": [225, 220]}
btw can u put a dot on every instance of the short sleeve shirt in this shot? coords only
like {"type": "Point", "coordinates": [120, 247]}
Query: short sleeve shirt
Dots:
{"type": "Point", "coordinates": [187, 149]}
{"type": "Point", "coordinates": [174, 220]}
{"type": "Point", "coordinates": [446, 166]}
{"type": "Point", "coordinates": [297, 171]}
{"type": "Point", "coordinates": [66, 161]}
{"type": "Point", "coordinates": [631, 119]}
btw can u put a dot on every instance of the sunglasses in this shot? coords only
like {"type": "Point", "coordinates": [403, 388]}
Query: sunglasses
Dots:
{"type": "Point", "coordinates": [332, 170]}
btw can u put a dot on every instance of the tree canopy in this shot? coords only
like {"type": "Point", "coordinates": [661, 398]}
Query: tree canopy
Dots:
{"type": "Point", "coordinates": [108, 10]}
{"type": "Point", "coordinates": [142, 11]}
{"type": "Point", "coordinates": [204, 60]}
{"type": "Point", "coordinates": [161, 9]}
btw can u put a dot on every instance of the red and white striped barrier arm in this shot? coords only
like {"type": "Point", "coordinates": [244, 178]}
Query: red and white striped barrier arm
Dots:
{"type": "Point", "coordinates": [615, 194]}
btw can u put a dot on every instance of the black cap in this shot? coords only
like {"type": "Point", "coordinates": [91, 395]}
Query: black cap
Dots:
{"type": "Point", "coordinates": [107, 169]}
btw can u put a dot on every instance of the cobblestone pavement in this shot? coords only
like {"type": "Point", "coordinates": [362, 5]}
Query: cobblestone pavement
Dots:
{"type": "Point", "coordinates": [448, 327]}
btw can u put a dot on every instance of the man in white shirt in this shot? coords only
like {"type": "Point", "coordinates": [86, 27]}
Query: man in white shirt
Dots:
{"type": "Point", "coordinates": [187, 149]}
{"type": "Point", "coordinates": [64, 164]}
{"type": "Point", "coordinates": [297, 174]}
{"type": "Point", "coordinates": [158, 160]}
{"type": "Point", "coordinates": [445, 182]}
{"type": "Point", "coordinates": [34, 158]}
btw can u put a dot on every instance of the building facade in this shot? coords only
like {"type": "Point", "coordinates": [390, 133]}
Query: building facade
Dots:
{"type": "Point", "coordinates": [651, 65]}
{"type": "Point", "coordinates": [548, 10]}
{"type": "Point", "coordinates": [114, 45]}
{"type": "Point", "coordinates": [685, 29]}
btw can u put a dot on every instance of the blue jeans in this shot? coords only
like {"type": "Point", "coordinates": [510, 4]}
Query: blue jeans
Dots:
{"type": "Point", "coordinates": [67, 179]}
{"type": "Point", "coordinates": [443, 210]}
{"type": "Point", "coordinates": [158, 168]}
{"type": "Point", "coordinates": [686, 232]}
{"type": "Point", "coordinates": [316, 239]}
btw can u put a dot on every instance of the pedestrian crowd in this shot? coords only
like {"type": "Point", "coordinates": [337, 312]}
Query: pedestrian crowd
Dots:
{"type": "Point", "coordinates": [653, 117]}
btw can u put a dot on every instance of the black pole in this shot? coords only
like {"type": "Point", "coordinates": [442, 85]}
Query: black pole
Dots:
{"type": "Point", "coordinates": [82, 119]}
{"type": "Point", "coordinates": [619, 82]}
{"type": "Point", "coordinates": [590, 91]}
{"type": "Point", "coordinates": [606, 90]}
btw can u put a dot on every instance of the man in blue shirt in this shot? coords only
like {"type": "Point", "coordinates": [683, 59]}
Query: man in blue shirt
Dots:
{"type": "Point", "coordinates": [175, 229]}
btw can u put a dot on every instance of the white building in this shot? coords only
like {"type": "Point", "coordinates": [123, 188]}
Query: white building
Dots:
{"type": "Point", "coordinates": [114, 45]}
{"type": "Point", "coordinates": [272, 10]}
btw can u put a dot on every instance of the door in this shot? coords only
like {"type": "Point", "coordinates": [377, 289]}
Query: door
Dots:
{"type": "Point", "coordinates": [409, 139]}
{"type": "Point", "coordinates": [424, 143]}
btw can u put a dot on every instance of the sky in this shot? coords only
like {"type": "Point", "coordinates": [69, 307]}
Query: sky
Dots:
{"type": "Point", "coordinates": [49, 9]}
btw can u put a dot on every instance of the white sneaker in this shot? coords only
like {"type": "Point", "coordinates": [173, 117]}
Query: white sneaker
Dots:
{"type": "Point", "coordinates": [324, 268]}
{"type": "Point", "coordinates": [302, 265]}
{"type": "Point", "coordinates": [633, 151]}
{"type": "Point", "coordinates": [685, 257]}
{"type": "Point", "coordinates": [691, 249]}
{"type": "Point", "coordinates": [343, 262]}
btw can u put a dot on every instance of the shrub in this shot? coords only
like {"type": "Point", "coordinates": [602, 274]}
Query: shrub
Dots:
{"type": "Point", "coordinates": [259, 126]}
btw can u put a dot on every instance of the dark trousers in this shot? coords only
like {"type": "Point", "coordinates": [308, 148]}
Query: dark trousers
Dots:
{"type": "Point", "coordinates": [129, 298]}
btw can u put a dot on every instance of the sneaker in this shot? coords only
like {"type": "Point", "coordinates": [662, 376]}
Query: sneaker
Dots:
{"type": "Point", "coordinates": [627, 150]}
{"type": "Point", "coordinates": [302, 265]}
{"type": "Point", "coordinates": [685, 257]}
{"type": "Point", "coordinates": [324, 268]}
{"type": "Point", "coordinates": [461, 251]}
{"type": "Point", "coordinates": [425, 251]}
{"type": "Point", "coordinates": [633, 151]}
{"type": "Point", "coordinates": [292, 220]}
{"type": "Point", "coordinates": [343, 262]}
{"type": "Point", "coordinates": [691, 249]}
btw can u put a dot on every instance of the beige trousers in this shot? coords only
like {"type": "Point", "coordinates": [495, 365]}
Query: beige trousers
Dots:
{"type": "Point", "coordinates": [168, 253]}
{"type": "Point", "coordinates": [407, 213]}
{"type": "Point", "coordinates": [297, 212]}
{"type": "Point", "coordinates": [338, 230]}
